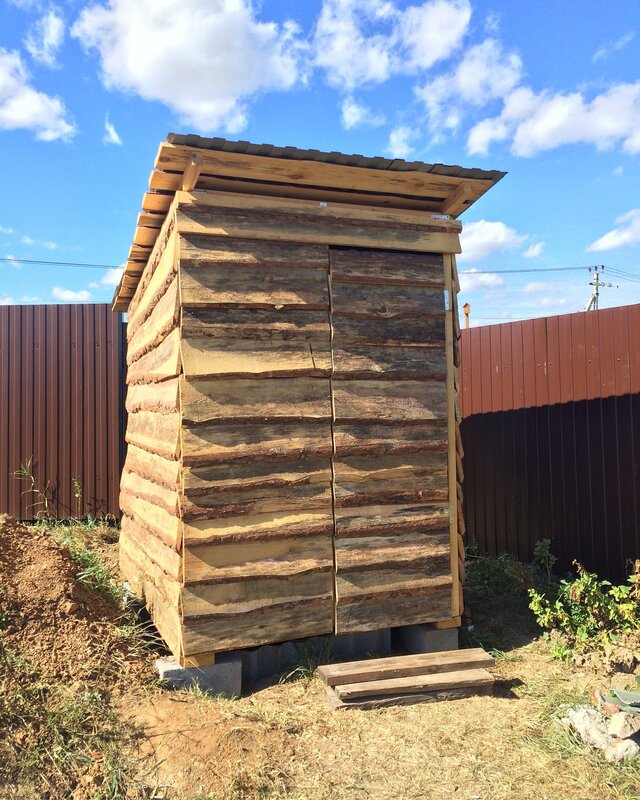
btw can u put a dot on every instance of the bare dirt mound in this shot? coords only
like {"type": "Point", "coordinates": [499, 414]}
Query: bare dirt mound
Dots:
{"type": "Point", "coordinates": [60, 628]}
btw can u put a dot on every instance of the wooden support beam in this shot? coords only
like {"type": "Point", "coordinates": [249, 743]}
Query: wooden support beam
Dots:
{"type": "Point", "coordinates": [454, 203]}
{"type": "Point", "coordinates": [451, 441]}
{"type": "Point", "coordinates": [192, 172]}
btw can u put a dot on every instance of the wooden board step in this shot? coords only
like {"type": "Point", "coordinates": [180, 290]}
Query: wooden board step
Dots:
{"type": "Point", "coordinates": [385, 701]}
{"type": "Point", "coordinates": [374, 669]}
{"type": "Point", "coordinates": [399, 680]}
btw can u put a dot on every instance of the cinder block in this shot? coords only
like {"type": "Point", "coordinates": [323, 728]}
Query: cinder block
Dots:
{"type": "Point", "coordinates": [359, 645]}
{"type": "Point", "coordinates": [222, 678]}
{"type": "Point", "coordinates": [426, 638]}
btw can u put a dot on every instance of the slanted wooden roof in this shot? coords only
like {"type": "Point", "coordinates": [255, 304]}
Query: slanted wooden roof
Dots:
{"type": "Point", "coordinates": [196, 163]}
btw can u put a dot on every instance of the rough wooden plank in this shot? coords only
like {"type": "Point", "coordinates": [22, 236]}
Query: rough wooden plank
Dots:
{"type": "Point", "coordinates": [402, 666]}
{"type": "Point", "coordinates": [415, 684]}
{"type": "Point", "coordinates": [387, 267]}
{"type": "Point", "coordinates": [167, 526]}
{"type": "Point", "coordinates": [384, 610]}
{"type": "Point", "coordinates": [229, 253]}
{"type": "Point", "coordinates": [369, 703]}
{"type": "Point", "coordinates": [156, 433]}
{"type": "Point", "coordinates": [373, 439]}
{"type": "Point", "coordinates": [393, 550]}
{"type": "Point", "coordinates": [309, 228]}
{"type": "Point", "coordinates": [272, 398]}
{"type": "Point", "coordinates": [253, 287]}
{"type": "Point", "coordinates": [451, 435]}
{"type": "Point", "coordinates": [161, 397]}
{"type": "Point", "coordinates": [370, 200]}
{"type": "Point", "coordinates": [156, 277]}
{"type": "Point", "coordinates": [392, 479]}
{"type": "Point", "coordinates": [208, 357]}
{"type": "Point", "coordinates": [243, 529]}
{"type": "Point", "coordinates": [312, 617]}
{"type": "Point", "coordinates": [164, 615]}
{"type": "Point", "coordinates": [276, 441]}
{"type": "Point", "coordinates": [221, 478]}
{"type": "Point", "coordinates": [412, 401]}
{"type": "Point", "coordinates": [387, 520]}
{"type": "Point", "coordinates": [394, 580]}
{"type": "Point", "coordinates": [160, 470]}
{"type": "Point", "coordinates": [153, 493]}
{"type": "Point", "coordinates": [166, 562]}
{"type": "Point", "coordinates": [302, 496]}
{"type": "Point", "coordinates": [268, 558]}
{"type": "Point", "coordinates": [350, 330]}
{"type": "Point", "coordinates": [162, 320]}
{"type": "Point", "coordinates": [385, 302]}
{"type": "Point", "coordinates": [456, 202]}
{"type": "Point", "coordinates": [277, 325]}
{"type": "Point", "coordinates": [388, 363]}
{"type": "Point", "coordinates": [160, 363]}
{"type": "Point", "coordinates": [281, 170]}
{"type": "Point", "coordinates": [255, 594]}
{"type": "Point", "coordinates": [331, 212]}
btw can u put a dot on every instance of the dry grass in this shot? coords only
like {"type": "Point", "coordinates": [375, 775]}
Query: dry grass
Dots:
{"type": "Point", "coordinates": [284, 743]}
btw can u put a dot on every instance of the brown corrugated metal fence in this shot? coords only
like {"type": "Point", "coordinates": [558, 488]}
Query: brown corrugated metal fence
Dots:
{"type": "Point", "coordinates": [551, 432]}
{"type": "Point", "coordinates": [61, 394]}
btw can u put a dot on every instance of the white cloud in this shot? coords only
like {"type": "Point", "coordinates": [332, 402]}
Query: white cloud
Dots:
{"type": "Point", "coordinates": [111, 135]}
{"type": "Point", "coordinates": [399, 144]}
{"type": "Point", "coordinates": [434, 30]}
{"type": "Point", "coordinates": [112, 276]}
{"type": "Point", "coordinates": [45, 38]}
{"type": "Point", "coordinates": [611, 47]}
{"type": "Point", "coordinates": [31, 242]}
{"type": "Point", "coordinates": [6, 230]}
{"type": "Point", "coordinates": [538, 122]}
{"type": "Point", "coordinates": [23, 107]}
{"type": "Point", "coordinates": [69, 295]}
{"type": "Point", "coordinates": [537, 286]}
{"type": "Point", "coordinates": [360, 42]}
{"type": "Point", "coordinates": [534, 250]}
{"type": "Point", "coordinates": [627, 234]}
{"type": "Point", "coordinates": [471, 280]}
{"type": "Point", "coordinates": [354, 115]}
{"type": "Point", "coordinates": [552, 301]}
{"type": "Point", "coordinates": [204, 59]}
{"type": "Point", "coordinates": [483, 238]}
{"type": "Point", "coordinates": [485, 73]}
{"type": "Point", "coordinates": [7, 300]}
{"type": "Point", "coordinates": [618, 171]}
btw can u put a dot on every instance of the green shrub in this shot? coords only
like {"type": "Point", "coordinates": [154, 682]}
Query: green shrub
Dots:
{"type": "Point", "coordinates": [586, 611]}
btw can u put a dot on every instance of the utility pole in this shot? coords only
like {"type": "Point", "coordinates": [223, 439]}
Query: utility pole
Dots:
{"type": "Point", "coordinates": [467, 310]}
{"type": "Point", "coordinates": [597, 284]}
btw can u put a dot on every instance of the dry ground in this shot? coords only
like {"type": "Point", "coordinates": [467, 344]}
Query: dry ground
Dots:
{"type": "Point", "coordinates": [131, 739]}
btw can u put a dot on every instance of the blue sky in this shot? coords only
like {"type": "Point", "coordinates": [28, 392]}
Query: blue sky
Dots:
{"type": "Point", "coordinates": [548, 91]}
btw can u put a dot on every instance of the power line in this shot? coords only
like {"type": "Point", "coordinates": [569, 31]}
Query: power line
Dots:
{"type": "Point", "coordinates": [59, 263]}
{"type": "Point", "coordinates": [473, 271]}
{"type": "Point", "coordinates": [622, 274]}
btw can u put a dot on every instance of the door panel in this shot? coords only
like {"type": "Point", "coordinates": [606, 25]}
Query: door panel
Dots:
{"type": "Point", "coordinates": [390, 470]}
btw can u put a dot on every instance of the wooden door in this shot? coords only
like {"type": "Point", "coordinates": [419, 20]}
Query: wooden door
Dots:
{"type": "Point", "coordinates": [390, 412]}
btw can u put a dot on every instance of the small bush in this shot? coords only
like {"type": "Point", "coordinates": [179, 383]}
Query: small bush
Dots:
{"type": "Point", "coordinates": [586, 612]}
{"type": "Point", "coordinates": [498, 575]}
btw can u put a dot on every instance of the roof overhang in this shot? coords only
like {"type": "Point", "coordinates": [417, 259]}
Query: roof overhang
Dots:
{"type": "Point", "coordinates": [195, 163]}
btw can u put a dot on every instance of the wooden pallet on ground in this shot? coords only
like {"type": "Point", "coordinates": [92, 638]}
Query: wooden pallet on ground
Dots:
{"type": "Point", "coordinates": [404, 680]}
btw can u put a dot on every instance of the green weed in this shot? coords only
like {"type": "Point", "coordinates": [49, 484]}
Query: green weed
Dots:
{"type": "Point", "coordinates": [587, 612]}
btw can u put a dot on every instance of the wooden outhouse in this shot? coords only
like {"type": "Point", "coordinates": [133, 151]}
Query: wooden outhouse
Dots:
{"type": "Point", "coordinates": [293, 464]}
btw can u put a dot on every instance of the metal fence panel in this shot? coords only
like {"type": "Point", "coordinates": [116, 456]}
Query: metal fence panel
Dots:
{"type": "Point", "coordinates": [61, 395]}
{"type": "Point", "coordinates": [551, 433]}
